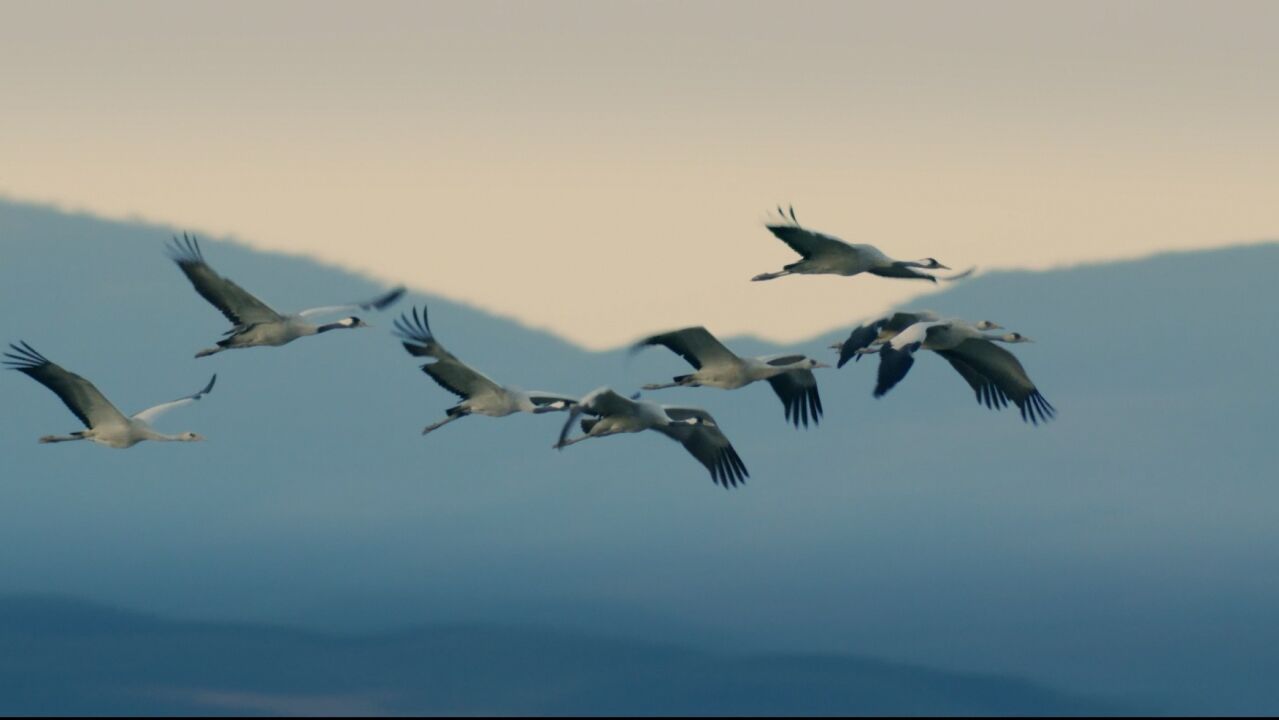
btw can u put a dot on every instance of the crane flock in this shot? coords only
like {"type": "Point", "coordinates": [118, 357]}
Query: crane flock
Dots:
{"type": "Point", "coordinates": [994, 374]}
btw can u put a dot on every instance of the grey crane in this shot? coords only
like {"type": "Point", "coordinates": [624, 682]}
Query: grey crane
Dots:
{"type": "Point", "coordinates": [104, 423]}
{"type": "Point", "coordinates": [480, 395]}
{"type": "Point", "coordinates": [255, 323]}
{"type": "Point", "coordinates": [827, 255]}
{"type": "Point", "coordinates": [791, 376]}
{"type": "Point", "coordinates": [994, 374]}
{"type": "Point", "coordinates": [887, 327]}
{"type": "Point", "coordinates": [693, 428]}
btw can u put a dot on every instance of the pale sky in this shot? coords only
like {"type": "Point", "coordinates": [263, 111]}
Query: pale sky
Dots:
{"type": "Point", "coordinates": [603, 169]}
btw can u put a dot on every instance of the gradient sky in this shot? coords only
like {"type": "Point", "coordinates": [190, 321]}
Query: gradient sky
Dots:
{"type": "Point", "coordinates": [603, 169]}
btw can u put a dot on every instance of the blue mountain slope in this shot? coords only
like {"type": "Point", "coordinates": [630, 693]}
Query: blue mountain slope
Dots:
{"type": "Point", "coordinates": [59, 657]}
{"type": "Point", "coordinates": [1125, 549]}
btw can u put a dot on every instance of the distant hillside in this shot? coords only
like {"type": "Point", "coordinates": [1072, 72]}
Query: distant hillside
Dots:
{"type": "Point", "coordinates": [62, 657]}
{"type": "Point", "coordinates": [1121, 551]}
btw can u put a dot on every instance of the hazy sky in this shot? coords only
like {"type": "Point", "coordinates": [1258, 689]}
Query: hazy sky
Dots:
{"type": "Point", "coordinates": [603, 169]}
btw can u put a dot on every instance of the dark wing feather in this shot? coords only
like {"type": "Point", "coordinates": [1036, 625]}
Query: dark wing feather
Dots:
{"type": "Point", "coordinates": [415, 331]}
{"type": "Point", "coordinates": [988, 393]}
{"type": "Point", "coordinates": [798, 392]}
{"type": "Point", "coordinates": [894, 363]}
{"type": "Point", "coordinates": [860, 338]}
{"type": "Point", "coordinates": [806, 242]}
{"type": "Point", "coordinates": [236, 304]}
{"type": "Point", "coordinates": [447, 371]}
{"type": "Point", "coordinates": [712, 449]}
{"type": "Point", "coordinates": [450, 377]}
{"type": "Point", "coordinates": [696, 345]}
{"type": "Point", "coordinates": [1008, 376]}
{"type": "Point", "coordinates": [383, 301]}
{"type": "Point", "coordinates": [79, 395]}
{"type": "Point", "coordinates": [573, 415]}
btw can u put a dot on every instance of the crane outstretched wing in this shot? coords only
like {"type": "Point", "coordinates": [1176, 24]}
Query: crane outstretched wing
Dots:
{"type": "Point", "coordinates": [894, 363]}
{"type": "Point", "coordinates": [988, 393]}
{"type": "Point", "coordinates": [1003, 369]}
{"type": "Point", "coordinates": [798, 392]}
{"type": "Point", "coordinates": [151, 413]}
{"type": "Point", "coordinates": [807, 242]}
{"type": "Point", "coordinates": [237, 304]}
{"type": "Point", "coordinates": [79, 395]}
{"type": "Point", "coordinates": [381, 302]}
{"type": "Point", "coordinates": [447, 371]}
{"type": "Point", "coordinates": [695, 344]}
{"type": "Point", "coordinates": [706, 442]}
{"type": "Point", "coordinates": [898, 355]}
{"type": "Point", "coordinates": [573, 414]}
